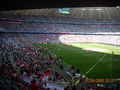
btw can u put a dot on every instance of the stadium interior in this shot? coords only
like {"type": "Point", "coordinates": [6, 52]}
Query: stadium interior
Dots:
{"type": "Point", "coordinates": [60, 48]}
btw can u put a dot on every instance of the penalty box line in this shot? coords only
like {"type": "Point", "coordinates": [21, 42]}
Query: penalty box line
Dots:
{"type": "Point", "coordinates": [95, 64]}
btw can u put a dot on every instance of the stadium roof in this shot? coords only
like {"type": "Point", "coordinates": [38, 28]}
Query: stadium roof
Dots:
{"type": "Point", "coordinates": [81, 12]}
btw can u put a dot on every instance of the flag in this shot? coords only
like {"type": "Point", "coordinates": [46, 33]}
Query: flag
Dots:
{"type": "Point", "coordinates": [45, 76]}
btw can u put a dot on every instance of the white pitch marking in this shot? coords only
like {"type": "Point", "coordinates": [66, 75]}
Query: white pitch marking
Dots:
{"type": "Point", "coordinates": [95, 64]}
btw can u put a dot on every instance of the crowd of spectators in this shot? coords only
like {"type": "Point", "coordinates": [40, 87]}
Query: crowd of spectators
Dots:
{"type": "Point", "coordinates": [25, 23]}
{"type": "Point", "coordinates": [28, 64]}
{"type": "Point", "coordinates": [55, 28]}
{"type": "Point", "coordinates": [58, 38]}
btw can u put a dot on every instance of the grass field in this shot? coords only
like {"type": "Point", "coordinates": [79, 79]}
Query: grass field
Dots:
{"type": "Point", "coordinates": [94, 60]}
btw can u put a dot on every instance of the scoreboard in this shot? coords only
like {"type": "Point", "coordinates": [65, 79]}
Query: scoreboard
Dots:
{"type": "Point", "coordinates": [64, 10]}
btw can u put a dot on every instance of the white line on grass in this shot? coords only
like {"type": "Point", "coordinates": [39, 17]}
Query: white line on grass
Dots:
{"type": "Point", "coordinates": [95, 64]}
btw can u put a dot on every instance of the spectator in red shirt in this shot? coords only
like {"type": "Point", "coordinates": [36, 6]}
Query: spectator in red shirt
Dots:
{"type": "Point", "coordinates": [34, 86]}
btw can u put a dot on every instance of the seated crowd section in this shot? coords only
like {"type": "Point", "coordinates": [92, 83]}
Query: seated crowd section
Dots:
{"type": "Point", "coordinates": [65, 38]}
{"type": "Point", "coordinates": [61, 28]}
{"type": "Point", "coordinates": [49, 27]}
{"type": "Point", "coordinates": [57, 24]}
{"type": "Point", "coordinates": [28, 64]}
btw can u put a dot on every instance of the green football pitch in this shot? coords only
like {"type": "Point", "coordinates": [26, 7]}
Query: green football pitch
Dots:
{"type": "Point", "coordinates": [95, 61]}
